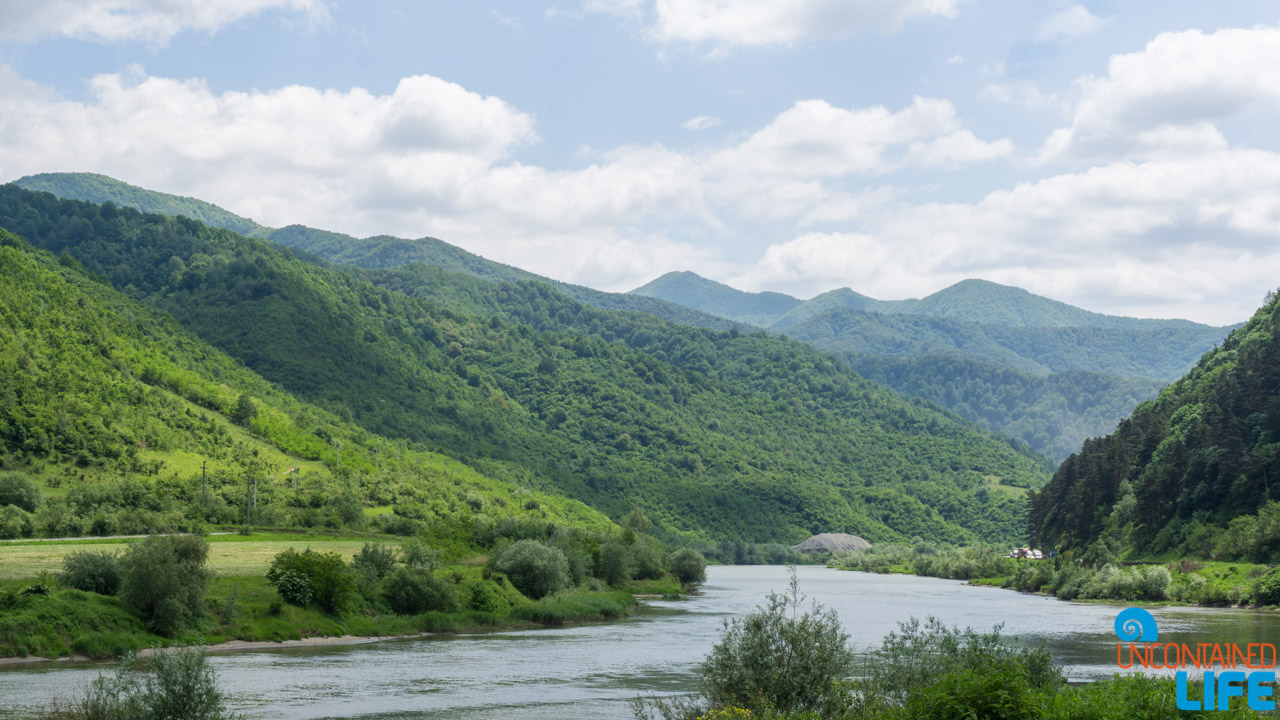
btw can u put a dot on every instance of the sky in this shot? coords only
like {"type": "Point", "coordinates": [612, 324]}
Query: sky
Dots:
{"type": "Point", "coordinates": [1117, 155]}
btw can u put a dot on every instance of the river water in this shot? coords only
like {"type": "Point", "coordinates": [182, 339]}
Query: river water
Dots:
{"type": "Point", "coordinates": [594, 670]}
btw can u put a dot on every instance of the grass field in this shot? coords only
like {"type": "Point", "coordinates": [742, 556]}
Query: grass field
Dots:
{"type": "Point", "coordinates": [229, 555]}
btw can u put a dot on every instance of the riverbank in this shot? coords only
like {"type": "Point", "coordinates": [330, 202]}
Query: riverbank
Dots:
{"type": "Point", "coordinates": [245, 613]}
{"type": "Point", "coordinates": [1182, 582]}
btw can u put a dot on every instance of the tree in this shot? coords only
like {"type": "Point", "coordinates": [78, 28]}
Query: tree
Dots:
{"type": "Point", "coordinates": [97, 572]}
{"type": "Point", "coordinates": [615, 563]}
{"type": "Point", "coordinates": [20, 491]}
{"type": "Point", "coordinates": [535, 569]}
{"type": "Point", "coordinates": [778, 657]}
{"type": "Point", "coordinates": [688, 566]}
{"type": "Point", "coordinates": [245, 410]}
{"type": "Point", "coordinates": [308, 577]}
{"type": "Point", "coordinates": [164, 579]}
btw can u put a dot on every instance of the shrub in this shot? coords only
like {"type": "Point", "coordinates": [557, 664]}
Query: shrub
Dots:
{"type": "Point", "coordinates": [535, 569]}
{"type": "Point", "coordinates": [486, 597]}
{"type": "Point", "coordinates": [177, 685]}
{"type": "Point", "coordinates": [91, 571]}
{"type": "Point", "coordinates": [19, 491]}
{"type": "Point", "coordinates": [411, 592]}
{"type": "Point", "coordinates": [332, 585]}
{"type": "Point", "coordinates": [374, 560]}
{"type": "Point", "coordinates": [15, 523]}
{"type": "Point", "coordinates": [615, 563]}
{"type": "Point", "coordinates": [164, 580]}
{"type": "Point", "coordinates": [420, 556]}
{"type": "Point", "coordinates": [688, 566]}
{"type": "Point", "coordinates": [778, 657]}
{"type": "Point", "coordinates": [646, 561]}
{"type": "Point", "coordinates": [1267, 589]}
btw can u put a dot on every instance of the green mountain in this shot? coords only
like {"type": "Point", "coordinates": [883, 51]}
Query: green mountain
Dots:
{"type": "Point", "coordinates": [140, 427]}
{"type": "Point", "coordinates": [693, 290]}
{"type": "Point", "coordinates": [1032, 368]}
{"type": "Point", "coordinates": [381, 251]}
{"type": "Point", "coordinates": [974, 301]}
{"type": "Point", "coordinates": [1190, 471]}
{"type": "Point", "coordinates": [714, 433]}
{"type": "Point", "coordinates": [1052, 413]}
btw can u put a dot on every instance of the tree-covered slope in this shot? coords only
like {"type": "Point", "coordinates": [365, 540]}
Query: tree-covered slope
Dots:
{"type": "Point", "coordinates": [1203, 456]}
{"type": "Point", "coordinates": [714, 433]}
{"type": "Point", "coordinates": [101, 189]}
{"type": "Point", "coordinates": [381, 251]}
{"type": "Point", "coordinates": [137, 426]}
{"type": "Point", "coordinates": [1053, 413]}
{"type": "Point", "coordinates": [1159, 353]}
{"type": "Point", "coordinates": [693, 290]}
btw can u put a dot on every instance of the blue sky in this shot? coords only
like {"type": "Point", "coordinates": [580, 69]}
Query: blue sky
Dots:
{"type": "Point", "coordinates": [1115, 155]}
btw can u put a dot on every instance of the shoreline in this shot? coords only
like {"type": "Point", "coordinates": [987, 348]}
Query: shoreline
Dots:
{"type": "Point", "coordinates": [230, 646]}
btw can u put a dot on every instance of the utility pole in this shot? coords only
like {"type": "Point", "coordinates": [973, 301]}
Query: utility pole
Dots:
{"type": "Point", "coordinates": [203, 494]}
{"type": "Point", "coordinates": [377, 459]}
{"type": "Point", "coordinates": [255, 493]}
{"type": "Point", "coordinates": [248, 499]}
{"type": "Point", "coordinates": [295, 478]}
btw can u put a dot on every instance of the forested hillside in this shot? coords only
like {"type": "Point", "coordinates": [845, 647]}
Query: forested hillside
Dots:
{"type": "Point", "coordinates": [1191, 471]}
{"type": "Point", "coordinates": [714, 433]}
{"type": "Point", "coordinates": [132, 425]}
{"type": "Point", "coordinates": [381, 251]}
{"type": "Point", "coordinates": [1050, 412]}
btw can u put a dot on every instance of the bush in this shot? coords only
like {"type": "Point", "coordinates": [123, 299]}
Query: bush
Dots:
{"type": "Point", "coordinates": [778, 657]}
{"type": "Point", "coordinates": [15, 523]}
{"type": "Point", "coordinates": [615, 563]}
{"type": "Point", "coordinates": [486, 597]}
{"type": "Point", "coordinates": [91, 571]}
{"type": "Point", "coordinates": [915, 657]}
{"type": "Point", "coordinates": [332, 585]}
{"type": "Point", "coordinates": [177, 685]}
{"type": "Point", "coordinates": [688, 566]}
{"type": "Point", "coordinates": [535, 569]}
{"type": "Point", "coordinates": [164, 580]}
{"type": "Point", "coordinates": [1267, 589]}
{"type": "Point", "coordinates": [19, 491]}
{"type": "Point", "coordinates": [411, 592]}
{"type": "Point", "coordinates": [646, 561]}
{"type": "Point", "coordinates": [420, 556]}
{"type": "Point", "coordinates": [374, 560]}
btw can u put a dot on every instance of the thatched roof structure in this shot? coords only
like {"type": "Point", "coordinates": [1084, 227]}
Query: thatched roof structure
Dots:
{"type": "Point", "coordinates": [832, 542]}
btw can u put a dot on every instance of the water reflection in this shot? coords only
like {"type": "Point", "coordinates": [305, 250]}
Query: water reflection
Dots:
{"type": "Point", "coordinates": [595, 670]}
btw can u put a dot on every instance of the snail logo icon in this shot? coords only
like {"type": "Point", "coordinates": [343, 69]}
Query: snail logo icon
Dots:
{"type": "Point", "coordinates": [1136, 625]}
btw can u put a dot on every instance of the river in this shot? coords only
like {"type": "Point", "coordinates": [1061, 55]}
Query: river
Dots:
{"type": "Point", "coordinates": [594, 670]}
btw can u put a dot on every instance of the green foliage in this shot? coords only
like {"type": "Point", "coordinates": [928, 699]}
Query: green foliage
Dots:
{"type": "Point", "coordinates": [311, 578]}
{"type": "Point", "coordinates": [535, 569]}
{"type": "Point", "coordinates": [731, 434]}
{"type": "Point", "coordinates": [689, 566]}
{"type": "Point", "coordinates": [19, 492]}
{"type": "Point", "coordinates": [91, 571]}
{"type": "Point", "coordinates": [417, 555]}
{"type": "Point", "coordinates": [164, 580]}
{"type": "Point", "coordinates": [245, 411]}
{"type": "Point", "coordinates": [615, 563]}
{"type": "Point", "coordinates": [375, 560]}
{"type": "Point", "coordinates": [781, 657]}
{"type": "Point", "coordinates": [1197, 460]}
{"type": "Point", "coordinates": [411, 592]}
{"type": "Point", "coordinates": [176, 685]}
{"type": "Point", "coordinates": [1053, 414]}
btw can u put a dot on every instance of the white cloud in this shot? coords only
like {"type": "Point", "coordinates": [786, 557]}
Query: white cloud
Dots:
{"type": "Point", "coordinates": [1023, 93]}
{"type": "Point", "coordinates": [1181, 238]}
{"type": "Point", "coordinates": [434, 158]}
{"type": "Point", "coordinates": [1072, 22]}
{"type": "Point", "coordinates": [701, 122]}
{"type": "Point", "coordinates": [956, 59]}
{"type": "Point", "coordinates": [729, 23]}
{"type": "Point", "coordinates": [814, 139]}
{"type": "Point", "coordinates": [155, 21]}
{"type": "Point", "coordinates": [1165, 101]}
